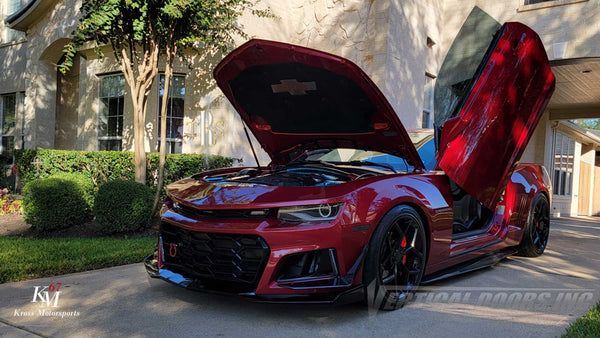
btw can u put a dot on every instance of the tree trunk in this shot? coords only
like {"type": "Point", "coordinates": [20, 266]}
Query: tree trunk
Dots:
{"type": "Point", "coordinates": [139, 155]}
{"type": "Point", "coordinates": [139, 77]}
{"type": "Point", "coordinates": [163, 128]}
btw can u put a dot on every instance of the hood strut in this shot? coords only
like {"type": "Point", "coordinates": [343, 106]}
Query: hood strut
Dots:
{"type": "Point", "coordinates": [252, 147]}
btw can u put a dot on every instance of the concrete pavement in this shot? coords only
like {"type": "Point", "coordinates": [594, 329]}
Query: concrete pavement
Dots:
{"type": "Point", "coordinates": [520, 297]}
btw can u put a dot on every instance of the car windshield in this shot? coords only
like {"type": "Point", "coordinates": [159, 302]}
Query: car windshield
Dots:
{"type": "Point", "coordinates": [365, 158]}
{"type": "Point", "coordinates": [422, 140]}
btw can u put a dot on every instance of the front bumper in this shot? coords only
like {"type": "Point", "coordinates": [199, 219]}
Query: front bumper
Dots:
{"type": "Point", "coordinates": [352, 294]}
{"type": "Point", "coordinates": [195, 253]}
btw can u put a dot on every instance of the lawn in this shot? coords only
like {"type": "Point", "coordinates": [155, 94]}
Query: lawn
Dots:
{"type": "Point", "coordinates": [28, 258]}
{"type": "Point", "coordinates": [586, 326]}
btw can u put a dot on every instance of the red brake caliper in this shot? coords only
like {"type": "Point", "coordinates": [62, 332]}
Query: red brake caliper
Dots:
{"type": "Point", "coordinates": [403, 245]}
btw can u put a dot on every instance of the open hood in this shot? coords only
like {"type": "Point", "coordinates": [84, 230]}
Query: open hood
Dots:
{"type": "Point", "coordinates": [294, 98]}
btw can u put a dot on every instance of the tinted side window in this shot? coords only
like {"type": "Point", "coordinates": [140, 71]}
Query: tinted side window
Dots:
{"type": "Point", "coordinates": [460, 66]}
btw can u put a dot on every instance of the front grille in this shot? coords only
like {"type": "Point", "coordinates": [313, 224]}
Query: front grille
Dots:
{"type": "Point", "coordinates": [225, 262]}
{"type": "Point", "coordinates": [226, 213]}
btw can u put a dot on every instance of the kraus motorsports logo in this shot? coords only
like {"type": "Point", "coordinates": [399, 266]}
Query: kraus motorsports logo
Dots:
{"type": "Point", "coordinates": [47, 296]}
{"type": "Point", "coordinates": [43, 294]}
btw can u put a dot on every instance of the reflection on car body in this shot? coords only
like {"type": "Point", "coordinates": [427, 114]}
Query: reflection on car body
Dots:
{"type": "Point", "coordinates": [355, 206]}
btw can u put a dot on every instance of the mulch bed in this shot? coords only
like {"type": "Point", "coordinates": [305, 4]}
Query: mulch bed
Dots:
{"type": "Point", "coordinates": [13, 225]}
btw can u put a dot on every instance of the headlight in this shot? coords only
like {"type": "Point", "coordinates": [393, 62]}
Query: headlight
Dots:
{"type": "Point", "coordinates": [309, 213]}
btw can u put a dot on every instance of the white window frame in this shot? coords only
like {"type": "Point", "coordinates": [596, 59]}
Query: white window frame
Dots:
{"type": "Point", "coordinates": [2, 111]}
{"type": "Point", "coordinates": [426, 122]}
{"type": "Point", "coordinates": [11, 35]}
{"type": "Point", "coordinates": [170, 141]}
{"type": "Point", "coordinates": [562, 178]}
{"type": "Point", "coordinates": [526, 6]}
{"type": "Point", "coordinates": [99, 137]}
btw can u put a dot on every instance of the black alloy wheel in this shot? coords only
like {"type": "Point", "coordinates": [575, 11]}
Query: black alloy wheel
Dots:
{"type": "Point", "coordinates": [537, 230]}
{"type": "Point", "coordinates": [395, 260]}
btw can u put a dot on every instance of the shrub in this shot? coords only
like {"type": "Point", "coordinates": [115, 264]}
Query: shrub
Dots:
{"type": "Point", "coordinates": [85, 183]}
{"type": "Point", "coordinates": [58, 201]}
{"type": "Point", "coordinates": [123, 206]}
{"type": "Point", "coordinates": [103, 166]}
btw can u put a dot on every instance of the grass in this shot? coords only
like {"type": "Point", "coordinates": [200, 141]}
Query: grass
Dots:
{"type": "Point", "coordinates": [28, 258]}
{"type": "Point", "coordinates": [586, 326]}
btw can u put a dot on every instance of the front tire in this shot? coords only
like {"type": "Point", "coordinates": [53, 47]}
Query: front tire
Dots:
{"type": "Point", "coordinates": [535, 237]}
{"type": "Point", "coordinates": [395, 259]}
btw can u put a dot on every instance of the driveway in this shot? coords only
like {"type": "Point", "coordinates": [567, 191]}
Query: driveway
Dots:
{"type": "Point", "coordinates": [519, 297]}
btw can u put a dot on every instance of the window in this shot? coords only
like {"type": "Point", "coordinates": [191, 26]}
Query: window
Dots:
{"type": "Point", "coordinates": [427, 102]}
{"type": "Point", "coordinates": [528, 5]}
{"type": "Point", "coordinates": [110, 120]}
{"type": "Point", "coordinates": [8, 104]}
{"type": "Point", "coordinates": [174, 113]}
{"type": "Point", "coordinates": [12, 6]}
{"type": "Point", "coordinates": [562, 180]}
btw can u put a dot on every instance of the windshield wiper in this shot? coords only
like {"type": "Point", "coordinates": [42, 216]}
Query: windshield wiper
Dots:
{"type": "Point", "coordinates": [371, 164]}
{"type": "Point", "coordinates": [316, 164]}
{"type": "Point", "coordinates": [300, 163]}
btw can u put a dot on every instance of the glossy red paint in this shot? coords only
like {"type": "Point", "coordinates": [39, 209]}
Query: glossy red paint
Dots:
{"type": "Point", "coordinates": [365, 203]}
{"type": "Point", "coordinates": [366, 200]}
{"type": "Point", "coordinates": [480, 146]}
{"type": "Point", "coordinates": [387, 134]}
{"type": "Point", "coordinates": [510, 217]}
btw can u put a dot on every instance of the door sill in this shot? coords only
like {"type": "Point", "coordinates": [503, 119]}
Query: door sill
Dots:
{"type": "Point", "coordinates": [479, 247]}
{"type": "Point", "coordinates": [468, 235]}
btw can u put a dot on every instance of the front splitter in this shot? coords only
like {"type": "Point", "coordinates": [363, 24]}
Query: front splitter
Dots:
{"type": "Point", "coordinates": [352, 295]}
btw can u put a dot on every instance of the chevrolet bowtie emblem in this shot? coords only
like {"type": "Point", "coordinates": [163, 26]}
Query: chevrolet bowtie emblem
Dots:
{"type": "Point", "coordinates": [293, 87]}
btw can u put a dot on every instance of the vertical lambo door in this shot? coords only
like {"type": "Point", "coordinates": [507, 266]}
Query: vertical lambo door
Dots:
{"type": "Point", "coordinates": [490, 94]}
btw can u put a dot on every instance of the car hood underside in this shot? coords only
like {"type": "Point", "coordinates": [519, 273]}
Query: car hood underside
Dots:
{"type": "Point", "coordinates": [293, 97]}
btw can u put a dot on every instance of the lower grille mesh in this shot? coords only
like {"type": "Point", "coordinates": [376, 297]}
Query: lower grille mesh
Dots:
{"type": "Point", "coordinates": [226, 262]}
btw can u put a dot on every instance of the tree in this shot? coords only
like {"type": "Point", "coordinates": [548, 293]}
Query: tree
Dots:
{"type": "Point", "coordinates": [588, 124]}
{"type": "Point", "coordinates": [139, 32]}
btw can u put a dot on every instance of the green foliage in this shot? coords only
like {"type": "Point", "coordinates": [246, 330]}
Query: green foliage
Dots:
{"type": "Point", "coordinates": [178, 166]}
{"type": "Point", "coordinates": [85, 184]}
{"type": "Point", "coordinates": [4, 178]}
{"type": "Point", "coordinates": [586, 326]}
{"type": "Point", "coordinates": [102, 166]}
{"type": "Point", "coordinates": [123, 206]}
{"type": "Point", "coordinates": [135, 25]}
{"type": "Point", "coordinates": [139, 31]}
{"type": "Point", "coordinates": [58, 201]}
{"type": "Point", "coordinates": [28, 258]}
{"type": "Point", "coordinates": [588, 124]}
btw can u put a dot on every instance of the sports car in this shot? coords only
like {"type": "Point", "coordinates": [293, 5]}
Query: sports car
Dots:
{"type": "Point", "coordinates": [352, 205]}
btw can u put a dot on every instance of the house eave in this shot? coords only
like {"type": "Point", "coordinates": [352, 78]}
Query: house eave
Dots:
{"type": "Point", "coordinates": [584, 135]}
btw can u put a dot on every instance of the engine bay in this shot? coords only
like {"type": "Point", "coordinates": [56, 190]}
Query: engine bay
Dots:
{"type": "Point", "coordinates": [303, 174]}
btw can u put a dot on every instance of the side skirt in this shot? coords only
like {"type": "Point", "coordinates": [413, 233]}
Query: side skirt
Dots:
{"type": "Point", "coordinates": [471, 265]}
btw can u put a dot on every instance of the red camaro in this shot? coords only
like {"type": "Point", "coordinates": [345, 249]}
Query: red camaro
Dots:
{"type": "Point", "coordinates": [352, 204]}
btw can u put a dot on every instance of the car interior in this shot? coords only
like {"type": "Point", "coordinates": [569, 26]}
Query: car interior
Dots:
{"type": "Point", "coordinates": [470, 216]}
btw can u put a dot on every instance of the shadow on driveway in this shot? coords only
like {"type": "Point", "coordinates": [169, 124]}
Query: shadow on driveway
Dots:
{"type": "Point", "coordinates": [123, 301]}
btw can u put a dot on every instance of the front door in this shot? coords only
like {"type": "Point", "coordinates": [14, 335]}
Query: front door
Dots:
{"type": "Point", "coordinates": [494, 112]}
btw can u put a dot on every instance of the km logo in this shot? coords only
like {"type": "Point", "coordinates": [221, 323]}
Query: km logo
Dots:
{"type": "Point", "coordinates": [47, 295]}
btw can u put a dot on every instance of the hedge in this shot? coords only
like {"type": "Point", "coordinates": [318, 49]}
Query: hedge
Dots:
{"type": "Point", "coordinates": [58, 201]}
{"type": "Point", "coordinates": [85, 184]}
{"type": "Point", "coordinates": [102, 166]}
{"type": "Point", "coordinates": [123, 206]}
